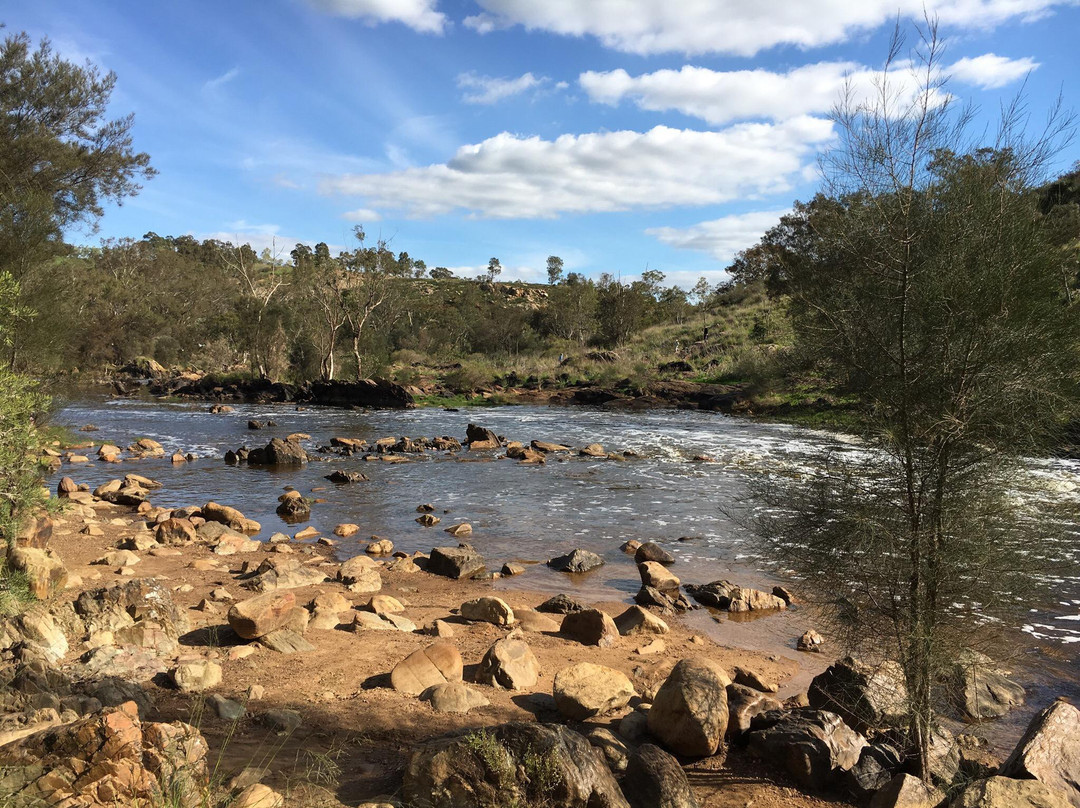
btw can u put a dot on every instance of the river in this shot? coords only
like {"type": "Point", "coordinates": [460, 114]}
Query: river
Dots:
{"type": "Point", "coordinates": [532, 513]}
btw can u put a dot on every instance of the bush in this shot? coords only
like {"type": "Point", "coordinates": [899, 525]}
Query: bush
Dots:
{"type": "Point", "coordinates": [21, 404]}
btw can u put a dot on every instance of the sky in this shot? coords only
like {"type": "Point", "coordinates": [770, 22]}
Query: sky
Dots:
{"type": "Point", "coordinates": [620, 135]}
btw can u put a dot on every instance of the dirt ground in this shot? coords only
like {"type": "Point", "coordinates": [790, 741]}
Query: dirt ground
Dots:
{"type": "Point", "coordinates": [357, 732]}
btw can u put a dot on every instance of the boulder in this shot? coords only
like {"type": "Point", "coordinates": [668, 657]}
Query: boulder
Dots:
{"type": "Point", "coordinates": [455, 562]}
{"type": "Point", "coordinates": [488, 610]}
{"type": "Point", "coordinates": [278, 452]}
{"type": "Point", "coordinates": [560, 604]}
{"type": "Point", "coordinates": [485, 438]}
{"type": "Point", "coordinates": [360, 574]}
{"type": "Point", "coordinates": [1002, 792]}
{"type": "Point", "coordinates": [590, 627]}
{"type": "Point", "coordinates": [585, 690]}
{"type": "Point", "coordinates": [866, 696]}
{"type": "Point", "coordinates": [258, 616]}
{"type": "Point", "coordinates": [654, 779]}
{"type": "Point", "coordinates": [197, 676]}
{"type": "Point", "coordinates": [689, 714]}
{"type": "Point", "coordinates": [668, 602]}
{"type": "Point", "coordinates": [636, 620]}
{"type": "Point", "coordinates": [454, 697]}
{"type": "Point", "coordinates": [496, 767]}
{"type": "Point", "coordinates": [287, 640]}
{"type": "Point", "coordinates": [292, 507]}
{"type": "Point", "coordinates": [132, 763]}
{"type": "Point", "coordinates": [509, 663]}
{"type": "Point", "coordinates": [576, 561]}
{"type": "Point", "coordinates": [174, 532]}
{"type": "Point", "coordinates": [810, 642]}
{"type": "Point", "coordinates": [906, 791]}
{"type": "Point", "coordinates": [367, 621]}
{"type": "Point", "coordinates": [979, 691]}
{"type": "Point", "coordinates": [283, 573]}
{"type": "Point", "coordinates": [115, 607]}
{"type": "Point", "coordinates": [547, 447]}
{"type": "Point", "coordinates": [878, 764]}
{"type": "Point", "coordinates": [751, 678]}
{"type": "Point", "coordinates": [346, 529]}
{"type": "Point", "coordinates": [437, 664]}
{"type": "Point", "coordinates": [532, 620]}
{"type": "Point", "coordinates": [257, 795]}
{"type": "Point", "coordinates": [656, 575]}
{"type": "Point", "coordinates": [1049, 750]}
{"type": "Point", "coordinates": [381, 547]}
{"type": "Point", "coordinates": [460, 530]}
{"type": "Point", "coordinates": [45, 572]}
{"type": "Point", "coordinates": [743, 704]}
{"type": "Point", "coordinates": [340, 477]}
{"type": "Point", "coordinates": [815, 746]}
{"type": "Point", "coordinates": [230, 517]}
{"type": "Point", "coordinates": [615, 752]}
{"type": "Point", "coordinates": [651, 551]}
{"type": "Point", "coordinates": [592, 450]}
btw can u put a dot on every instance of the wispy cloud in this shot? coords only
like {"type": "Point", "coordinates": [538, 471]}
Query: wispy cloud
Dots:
{"type": "Point", "coordinates": [361, 215]}
{"type": "Point", "coordinates": [490, 89]}
{"type": "Point", "coordinates": [217, 83]}
{"type": "Point", "coordinates": [721, 238]}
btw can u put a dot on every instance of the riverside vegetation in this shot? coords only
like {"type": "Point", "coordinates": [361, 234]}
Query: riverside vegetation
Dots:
{"type": "Point", "coordinates": [929, 290]}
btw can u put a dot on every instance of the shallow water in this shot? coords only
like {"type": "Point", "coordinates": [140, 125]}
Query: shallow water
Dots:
{"type": "Point", "coordinates": [532, 513]}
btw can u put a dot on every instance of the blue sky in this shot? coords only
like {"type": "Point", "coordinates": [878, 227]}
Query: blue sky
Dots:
{"type": "Point", "coordinates": [618, 134]}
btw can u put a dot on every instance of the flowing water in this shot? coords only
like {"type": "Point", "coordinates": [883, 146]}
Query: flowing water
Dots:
{"type": "Point", "coordinates": [532, 513]}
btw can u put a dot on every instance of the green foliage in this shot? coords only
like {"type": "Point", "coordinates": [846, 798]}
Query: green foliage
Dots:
{"type": "Point", "coordinates": [20, 470]}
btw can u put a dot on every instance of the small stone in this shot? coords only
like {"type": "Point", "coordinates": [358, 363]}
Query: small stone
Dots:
{"type": "Point", "coordinates": [195, 677]}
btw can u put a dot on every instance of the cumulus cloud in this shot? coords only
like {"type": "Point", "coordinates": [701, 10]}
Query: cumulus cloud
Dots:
{"type": "Point", "coordinates": [420, 15]}
{"type": "Point", "coordinates": [991, 71]}
{"type": "Point", "coordinates": [721, 238]}
{"type": "Point", "coordinates": [490, 90]}
{"type": "Point", "coordinates": [508, 176]}
{"type": "Point", "coordinates": [723, 96]}
{"type": "Point", "coordinates": [737, 27]}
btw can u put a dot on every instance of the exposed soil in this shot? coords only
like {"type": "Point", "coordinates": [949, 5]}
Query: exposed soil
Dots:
{"type": "Point", "coordinates": [357, 732]}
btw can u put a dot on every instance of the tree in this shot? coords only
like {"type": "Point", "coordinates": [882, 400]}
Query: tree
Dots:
{"type": "Point", "coordinates": [61, 158]}
{"type": "Point", "coordinates": [368, 285]}
{"type": "Point", "coordinates": [494, 268]}
{"type": "Point", "coordinates": [700, 294]}
{"type": "Point", "coordinates": [554, 269]}
{"type": "Point", "coordinates": [932, 293]}
{"type": "Point", "coordinates": [257, 290]}
{"type": "Point", "coordinates": [440, 274]}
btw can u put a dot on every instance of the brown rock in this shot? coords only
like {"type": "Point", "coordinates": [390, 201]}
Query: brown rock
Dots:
{"type": "Point", "coordinates": [437, 664]}
{"type": "Point", "coordinates": [585, 690]}
{"type": "Point", "coordinates": [1049, 751]}
{"type": "Point", "coordinates": [689, 714]}
{"type": "Point", "coordinates": [261, 614]}
{"type": "Point", "coordinates": [590, 627]}
{"type": "Point", "coordinates": [510, 664]}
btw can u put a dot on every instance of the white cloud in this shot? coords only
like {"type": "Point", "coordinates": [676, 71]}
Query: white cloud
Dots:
{"type": "Point", "coordinates": [489, 90]}
{"type": "Point", "coordinates": [361, 215]}
{"type": "Point", "coordinates": [216, 83]}
{"type": "Point", "coordinates": [420, 15]}
{"type": "Point", "coordinates": [508, 177]}
{"type": "Point", "coordinates": [991, 71]}
{"type": "Point", "coordinates": [738, 27]}
{"type": "Point", "coordinates": [723, 96]}
{"type": "Point", "coordinates": [721, 238]}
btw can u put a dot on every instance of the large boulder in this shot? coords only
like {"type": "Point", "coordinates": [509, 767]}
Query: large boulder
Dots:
{"type": "Point", "coordinates": [258, 616]}
{"type": "Point", "coordinates": [230, 517]}
{"type": "Point", "coordinates": [651, 551]}
{"type": "Point", "coordinates": [1002, 792]}
{"type": "Point", "coordinates": [280, 453]}
{"type": "Point", "coordinates": [282, 572]}
{"type": "Point", "coordinates": [585, 690]}
{"type": "Point", "coordinates": [636, 620]}
{"type": "Point", "coordinates": [509, 663]}
{"type": "Point", "coordinates": [455, 562]}
{"type": "Point", "coordinates": [906, 791]}
{"type": "Point", "coordinates": [878, 764]}
{"type": "Point", "coordinates": [815, 746]}
{"type": "Point", "coordinates": [689, 714]}
{"type": "Point", "coordinates": [143, 599]}
{"type": "Point", "coordinates": [867, 696]}
{"type": "Point", "coordinates": [980, 691]}
{"type": "Point", "coordinates": [743, 704]}
{"type": "Point", "coordinates": [110, 758]}
{"type": "Point", "coordinates": [519, 763]}
{"type": "Point", "coordinates": [437, 664]}
{"type": "Point", "coordinates": [292, 507]}
{"type": "Point", "coordinates": [360, 574]}
{"type": "Point", "coordinates": [654, 779]}
{"type": "Point", "coordinates": [44, 570]}
{"type": "Point", "coordinates": [488, 610]}
{"type": "Point", "coordinates": [175, 531]}
{"type": "Point", "coordinates": [454, 697]}
{"type": "Point", "coordinates": [1049, 751]}
{"type": "Point", "coordinates": [576, 561]}
{"type": "Point", "coordinates": [656, 575]}
{"type": "Point", "coordinates": [590, 627]}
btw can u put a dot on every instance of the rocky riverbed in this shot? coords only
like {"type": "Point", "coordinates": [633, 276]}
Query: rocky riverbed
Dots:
{"type": "Point", "coordinates": [173, 649]}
